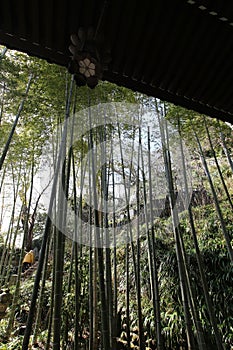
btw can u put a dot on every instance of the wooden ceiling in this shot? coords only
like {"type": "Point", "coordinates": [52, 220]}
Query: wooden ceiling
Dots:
{"type": "Point", "coordinates": [177, 50]}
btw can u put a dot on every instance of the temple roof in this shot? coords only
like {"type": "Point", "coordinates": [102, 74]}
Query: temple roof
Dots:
{"type": "Point", "coordinates": [179, 51]}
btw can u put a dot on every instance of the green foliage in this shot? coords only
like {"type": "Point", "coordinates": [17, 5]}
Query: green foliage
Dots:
{"type": "Point", "coordinates": [188, 122]}
{"type": "Point", "coordinates": [44, 109]}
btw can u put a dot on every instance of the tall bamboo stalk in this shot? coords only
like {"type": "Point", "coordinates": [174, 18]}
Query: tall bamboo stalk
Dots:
{"type": "Point", "coordinates": [41, 293]}
{"type": "Point", "coordinates": [175, 220]}
{"type": "Point", "coordinates": [190, 297]}
{"type": "Point", "coordinates": [138, 278]}
{"type": "Point", "coordinates": [58, 292]}
{"type": "Point", "coordinates": [12, 247]}
{"type": "Point", "coordinates": [108, 270]}
{"type": "Point", "coordinates": [129, 237]}
{"type": "Point", "coordinates": [4, 263]}
{"type": "Point", "coordinates": [104, 309]}
{"type": "Point", "coordinates": [7, 145]}
{"type": "Point", "coordinates": [116, 316]}
{"type": "Point", "coordinates": [67, 181]}
{"type": "Point", "coordinates": [2, 181]}
{"type": "Point", "coordinates": [60, 248]}
{"type": "Point", "coordinates": [75, 249]}
{"type": "Point", "coordinates": [153, 255]}
{"type": "Point", "coordinates": [2, 102]}
{"type": "Point", "coordinates": [17, 291]}
{"type": "Point", "coordinates": [50, 320]}
{"type": "Point", "coordinates": [208, 300]}
{"type": "Point", "coordinates": [217, 165]}
{"type": "Point", "coordinates": [26, 226]}
{"type": "Point", "coordinates": [216, 201]}
{"type": "Point", "coordinates": [226, 151]}
{"type": "Point", "coordinates": [47, 231]}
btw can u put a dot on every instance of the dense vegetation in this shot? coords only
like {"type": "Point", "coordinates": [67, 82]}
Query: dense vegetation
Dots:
{"type": "Point", "coordinates": [171, 285]}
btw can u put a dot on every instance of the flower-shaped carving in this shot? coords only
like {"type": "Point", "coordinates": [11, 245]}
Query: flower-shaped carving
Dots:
{"type": "Point", "coordinates": [86, 67]}
{"type": "Point", "coordinates": [87, 62]}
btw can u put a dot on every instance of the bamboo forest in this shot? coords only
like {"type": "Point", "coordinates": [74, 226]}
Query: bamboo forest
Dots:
{"type": "Point", "coordinates": [116, 217]}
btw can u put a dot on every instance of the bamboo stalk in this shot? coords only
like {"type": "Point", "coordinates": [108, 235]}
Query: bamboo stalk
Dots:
{"type": "Point", "coordinates": [217, 165]}
{"type": "Point", "coordinates": [115, 276]}
{"type": "Point", "coordinates": [152, 256]}
{"type": "Point", "coordinates": [104, 310]}
{"type": "Point", "coordinates": [200, 260]}
{"type": "Point", "coordinates": [216, 202]}
{"type": "Point", "coordinates": [175, 220]}
{"type": "Point", "coordinates": [138, 272]}
{"type": "Point", "coordinates": [47, 230]}
{"type": "Point", "coordinates": [225, 147]}
{"type": "Point", "coordinates": [4, 266]}
{"type": "Point", "coordinates": [41, 294]}
{"type": "Point", "coordinates": [7, 145]}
